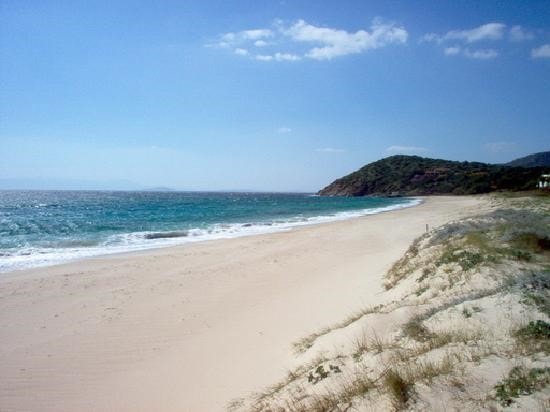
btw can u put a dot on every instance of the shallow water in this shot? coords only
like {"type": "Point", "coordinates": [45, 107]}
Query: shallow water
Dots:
{"type": "Point", "coordinates": [47, 227]}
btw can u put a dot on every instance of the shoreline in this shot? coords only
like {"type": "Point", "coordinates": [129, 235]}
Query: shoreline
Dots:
{"type": "Point", "coordinates": [247, 229]}
{"type": "Point", "coordinates": [192, 327]}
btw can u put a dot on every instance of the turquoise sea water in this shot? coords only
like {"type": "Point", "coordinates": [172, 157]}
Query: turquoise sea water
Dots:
{"type": "Point", "coordinates": [47, 227]}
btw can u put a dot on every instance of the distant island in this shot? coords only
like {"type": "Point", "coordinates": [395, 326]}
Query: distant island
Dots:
{"type": "Point", "coordinates": [159, 189]}
{"type": "Point", "coordinates": [402, 175]}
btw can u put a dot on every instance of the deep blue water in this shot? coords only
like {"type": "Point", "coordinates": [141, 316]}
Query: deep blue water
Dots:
{"type": "Point", "coordinates": [47, 227]}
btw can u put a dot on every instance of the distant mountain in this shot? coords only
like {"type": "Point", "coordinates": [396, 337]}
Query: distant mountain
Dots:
{"type": "Point", "coordinates": [65, 184]}
{"type": "Point", "coordinates": [415, 175]}
{"type": "Point", "coordinates": [541, 159]}
{"type": "Point", "coordinates": [159, 189]}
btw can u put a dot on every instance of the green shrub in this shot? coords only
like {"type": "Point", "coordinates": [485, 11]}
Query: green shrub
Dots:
{"type": "Point", "coordinates": [534, 337]}
{"type": "Point", "coordinates": [521, 381]}
{"type": "Point", "coordinates": [538, 330]}
{"type": "Point", "coordinates": [465, 258]}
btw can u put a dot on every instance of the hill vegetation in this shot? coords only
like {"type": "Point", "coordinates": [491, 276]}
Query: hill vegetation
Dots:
{"type": "Point", "coordinates": [541, 159]}
{"type": "Point", "coordinates": [415, 175]}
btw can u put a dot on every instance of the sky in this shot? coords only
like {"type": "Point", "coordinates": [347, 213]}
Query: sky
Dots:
{"type": "Point", "coordinates": [264, 95]}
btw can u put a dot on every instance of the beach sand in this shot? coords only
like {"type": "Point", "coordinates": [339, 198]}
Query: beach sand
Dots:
{"type": "Point", "coordinates": [190, 328]}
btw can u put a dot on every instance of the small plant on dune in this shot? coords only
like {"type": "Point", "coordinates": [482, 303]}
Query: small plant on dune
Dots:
{"type": "Point", "coordinates": [536, 290]}
{"type": "Point", "coordinates": [478, 240]}
{"type": "Point", "coordinates": [378, 343]}
{"type": "Point", "coordinates": [541, 301]}
{"type": "Point", "coordinates": [438, 340]}
{"type": "Point", "coordinates": [466, 313]}
{"type": "Point", "coordinates": [401, 268]}
{"type": "Point", "coordinates": [521, 381]}
{"type": "Point", "coordinates": [353, 387]}
{"type": "Point", "coordinates": [426, 272]}
{"type": "Point", "coordinates": [360, 346]}
{"type": "Point", "coordinates": [427, 371]}
{"type": "Point", "coordinates": [356, 316]}
{"type": "Point", "coordinates": [465, 258]}
{"type": "Point", "coordinates": [399, 388]}
{"type": "Point", "coordinates": [323, 402]}
{"type": "Point", "coordinates": [521, 255]}
{"type": "Point", "coordinates": [320, 373]}
{"type": "Point", "coordinates": [306, 343]}
{"type": "Point", "coordinates": [534, 337]}
{"type": "Point", "coordinates": [531, 241]}
{"type": "Point", "coordinates": [416, 330]}
{"type": "Point", "coordinates": [235, 404]}
{"type": "Point", "coordinates": [421, 290]}
{"type": "Point", "coordinates": [535, 329]}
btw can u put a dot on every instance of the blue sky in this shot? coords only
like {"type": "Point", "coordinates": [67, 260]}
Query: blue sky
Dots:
{"type": "Point", "coordinates": [265, 95]}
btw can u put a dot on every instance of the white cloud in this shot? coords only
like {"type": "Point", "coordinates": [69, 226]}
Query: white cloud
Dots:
{"type": "Point", "coordinates": [517, 34]}
{"type": "Point", "coordinates": [335, 42]}
{"type": "Point", "coordinates": [284, 130]}
{"type": "Point", "coordinates": [406, 149]}
{"type": "Point", "coordinates": [267, 57]}
{"type": "Point", "coordinates": [256, 34]}
{"type": "Point", "coordinates": [430, 37]}
{"type": "Point", "coordinates": [489, 31]}
{"type": "Point", "coordinates": [323, 43]}
{"type": "Point", "coordinates": [541, 52]}
{"type": "Point", "coordinates": [241, 52]}
{"type": "Point", "coordinates": [233, 39]}
{"type": "Point", "coordinates": [500, 147]}
{"type": "Point", "coordinates": [481, 54]}
{"type": "Point", "coordinates": [330, 150]}
{"type": "Point", "coordinates": [264, 57]}
{"type": "Point", "coordinates": [452, 51]}
{"type": "Point", "coordinates": [485, 32]}
{"type": "Point", "coordinates": [286, 56]}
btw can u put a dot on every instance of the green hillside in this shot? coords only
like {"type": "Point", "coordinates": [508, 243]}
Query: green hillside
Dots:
{"type": "Point", "coordinates": [541, 159]}
{"type": "Point", "coordinates": [415, 175]}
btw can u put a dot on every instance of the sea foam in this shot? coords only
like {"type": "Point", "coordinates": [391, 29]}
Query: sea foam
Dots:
{"type": "Point", "coordinates": [28, 257]}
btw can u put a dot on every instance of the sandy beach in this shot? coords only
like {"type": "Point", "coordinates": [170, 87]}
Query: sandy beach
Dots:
{"type": "Point", "coordinates": [190, 328]}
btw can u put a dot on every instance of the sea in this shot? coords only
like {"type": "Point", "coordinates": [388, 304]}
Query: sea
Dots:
{"type": "Point", "coordinates": [39, 228]}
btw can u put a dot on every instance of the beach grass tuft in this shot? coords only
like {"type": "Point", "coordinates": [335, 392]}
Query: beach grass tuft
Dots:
{"type": "Point", "coordinates": [399, 388]}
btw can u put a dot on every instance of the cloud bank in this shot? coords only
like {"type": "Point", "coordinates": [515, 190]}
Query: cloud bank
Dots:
{"type": "Point", "coordinates": [334, 43]}
{"type": "Point", "coordinates": [302, 40]}
{"type": "Point", "coordinates": [466, 42]}
{"type": "Point", "coordinates": [489, 31]}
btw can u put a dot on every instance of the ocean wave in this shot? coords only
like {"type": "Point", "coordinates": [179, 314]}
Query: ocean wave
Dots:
{"type": "Point", "coordinates": [70, 250]}
{"type": "Point", "coordinates": [165, 235]}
